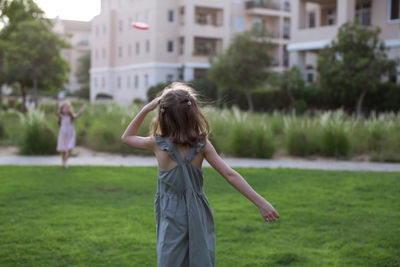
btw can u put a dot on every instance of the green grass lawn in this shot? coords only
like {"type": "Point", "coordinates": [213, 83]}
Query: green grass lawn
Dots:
{"type": "Point", "coordinates": [103, 216]}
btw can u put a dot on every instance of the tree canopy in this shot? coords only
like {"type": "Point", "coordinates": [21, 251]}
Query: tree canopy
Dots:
{"type": "Point", "coordinates": [30, 52]}
{"type": "Point", "coordinates": [244, 65]}
{"type": "Point", "coordinates": [353, 64]}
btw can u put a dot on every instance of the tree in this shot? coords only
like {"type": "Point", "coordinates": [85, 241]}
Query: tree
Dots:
{"type": "Point", "coordinates": [83, 75]}
{"type": "Point", "coordinates": [29, 51]}
{"type": "Point", "coordinates": [291, 81]}
{"type": "Point", "coordinates": [243, 66]}
{"type": "Point", "coordinates": [33, 57]}
{"type": "Point", "coordinates": [354, 64]}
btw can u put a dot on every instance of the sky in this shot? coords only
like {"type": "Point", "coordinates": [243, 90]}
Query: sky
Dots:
{"type": "Point", "coordinates": [83, 10]}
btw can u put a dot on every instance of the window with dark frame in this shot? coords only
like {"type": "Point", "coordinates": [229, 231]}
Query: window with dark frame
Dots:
{"type": "Point", "coordinates": [170, 46]}
{"type": "Point", "coordinates": [311, 19]}
{"type": "Point", "coordinates": [331, 16]}
{"type": "Point", "coordinates": [171, 16]}
{"type": "Point", "coordinates": [363, 13]}
{"type": "Point", "coordinates": [394, 10]}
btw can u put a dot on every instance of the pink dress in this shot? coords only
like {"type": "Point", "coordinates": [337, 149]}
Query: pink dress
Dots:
{"type": "Point", "coordinates": [66, 136]}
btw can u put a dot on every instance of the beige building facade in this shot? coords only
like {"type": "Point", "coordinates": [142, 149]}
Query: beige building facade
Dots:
{"type": "Point", "coordinates": [77, 34]}
{"type": "Point", "coordinates": [183, 35]}
{"type": "Point", "coordinates": [315, 23]}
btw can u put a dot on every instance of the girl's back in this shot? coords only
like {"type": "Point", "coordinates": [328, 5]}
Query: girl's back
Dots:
{"type": "Point", "coordinates": [185, 224]}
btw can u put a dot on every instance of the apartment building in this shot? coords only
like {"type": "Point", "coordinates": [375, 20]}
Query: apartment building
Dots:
{"type": "Point", "coordinates": [315, 23]}
{"type": "Point", "coordinates": [77, 34]}
{"type": "Point", "coordinates": [183, 35]}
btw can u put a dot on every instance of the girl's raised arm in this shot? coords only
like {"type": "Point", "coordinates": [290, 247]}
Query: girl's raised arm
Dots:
{"type": "Point", "coordinates": [81, 110]}
{"type": "Point", "coordinates": [236, 180]}
{"type": "Point", "coordinates": [129, 137]}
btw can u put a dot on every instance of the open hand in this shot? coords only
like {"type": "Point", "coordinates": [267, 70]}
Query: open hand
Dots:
{"type": "Point", "coordinates": [268, 212]}
{"type": "Point", "coordinates": [153, 104]}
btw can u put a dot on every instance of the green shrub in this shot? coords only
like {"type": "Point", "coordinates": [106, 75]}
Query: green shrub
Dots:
{"type": "Point", "coordinates": [335, 142]}
{"type": "Point", "coordinates": [298, 143]}
{"type": "Point", "coordinates": [37, 137]}
{"type": "Point", "coordinates": [262, 143]}
{"type": "Point", "coordinates": [154, 90]}
{"type": "Point", "coordinates": [2, 131]}
{"type": "Point", "coordinates": [300, 106]}
{"type": "Point", "coordinates": [240, 141]}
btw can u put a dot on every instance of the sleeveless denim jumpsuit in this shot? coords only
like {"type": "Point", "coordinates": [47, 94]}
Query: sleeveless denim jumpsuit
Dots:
{"type": "Point", "coordinates": [185, 224]}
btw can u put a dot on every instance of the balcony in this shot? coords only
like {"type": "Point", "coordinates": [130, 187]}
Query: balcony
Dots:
{"type": "Point", "coordinates": [267, 8]}
{"type": "Point", "coordinates": [208, 16]}
{"type": "Point", "coordinates": [207, 46]}
{"type": "Point", "coordinates": [263, 4]}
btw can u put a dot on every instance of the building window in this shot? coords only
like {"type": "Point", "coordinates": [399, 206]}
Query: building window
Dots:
{"type": "Point", "coordinates": [146, 80]}
{"type": "Point", "coordinates": [97, 30]}
{"type": "Point", "coordinates": [286, 5]}
{"type": "Point", "coordinates": [137, 17]}
{"type": "Point", "coordinates": [128, 82]}
{"type": "Point", "coordinates": [147, 16]}
{"type": "Point", "coordinates": [120, 27]}
{"type": "Point", "coordinates": [330, 18]}
{"type": "Point", "coordinates": [119, 51]}
{"type": "Point", "coordinates": [310, 74]}
{"type": "Point", "coordinates": [103, 82]}
{"type": "Point", "coordinates": [181, 48]}
{"type": "Point", "coordinates": [147, 46]}
{"type": "Point", "coordinates": [170, 78]}
{"type": "Point", "coordinates": [171, 16]}
{"type": "Point", "coordinates": [239, 23]}
{"type": "Point", "coordinates": [95, 82]}
{"type": "Point", "coordinates": [137, 48]}
{"type": "Point", "coordinates": [286, 29]}
{"type": "Point", "coordinates": [103, 53]}
{"type": "Point", "coordinates": [311, 19]}
{"type": "Point", "coordinates": [170, 46]}
{"type": "Point", "coordinates": [136, 81]}
{"type": "Point", "coordinates": [258, 22]}
{"type": "Point", "coordinates": [201, 18]}
{"type": "Point", "coordinates": [363, 14]}
{"type": "Point", "coordinates": [104, 29]}
{"type": "Point", "coordinates": [129, 50]}
{"type": "Point", "coordinates": [119, 82]}
{"type": "Point", "coordinates": [96, 54]}
{"type": "Point", "coordinates": [394, 10]}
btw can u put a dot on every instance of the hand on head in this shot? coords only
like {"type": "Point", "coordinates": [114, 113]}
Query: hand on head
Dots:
{"type": "Point", "coordinates": [153, 104]}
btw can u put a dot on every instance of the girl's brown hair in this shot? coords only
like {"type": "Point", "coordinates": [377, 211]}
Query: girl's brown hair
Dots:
{"type": "Point", "coordinates": [179, 116]}
{"type": "Point", "coordinates": [71, 111]}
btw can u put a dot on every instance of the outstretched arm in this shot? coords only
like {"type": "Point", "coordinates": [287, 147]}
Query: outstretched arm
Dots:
{"type": "Point", "coordinates": [130, 138]}
{"type": "Point", "coordinates": [81, 110]}
{"type": "Point", "coordinates": [237, 181]}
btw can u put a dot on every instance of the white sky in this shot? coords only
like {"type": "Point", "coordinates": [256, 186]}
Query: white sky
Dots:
{"type": "Point", "coordinates": [83, 10]}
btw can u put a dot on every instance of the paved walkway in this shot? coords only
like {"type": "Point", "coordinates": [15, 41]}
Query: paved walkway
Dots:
{"type": "Point", "coordinates": [234, 162]}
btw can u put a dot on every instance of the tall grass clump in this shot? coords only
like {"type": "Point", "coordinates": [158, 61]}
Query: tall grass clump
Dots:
{"type": "Point", "coordinates": [262, 142]}
{"type": "Point", "coordinates": [302, 136]}
{"type": "Point", "coordinates": [335, 138]}
{"type": "Point", "coordinates": [37, 138]}
{"type": "Point", "coordinates": [240, 134]}
{"type": "Point", "coordinates": [102, 125]}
